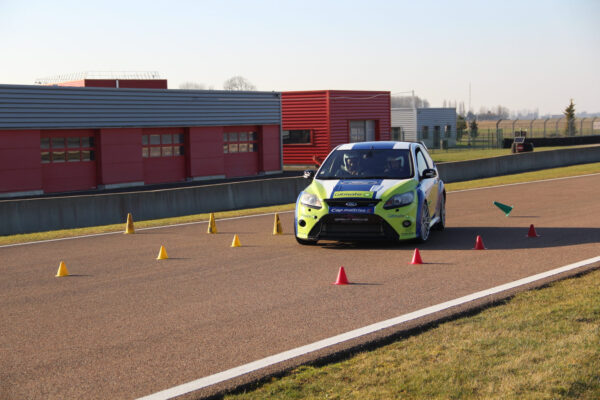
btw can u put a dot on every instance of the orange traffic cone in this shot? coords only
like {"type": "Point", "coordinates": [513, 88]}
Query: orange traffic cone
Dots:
{"type": "Point", "coordinates": [129, 226]}
{"type": "Point", "coordinates": [277, 230]}
{"type": "Point", "coordinates": [341, 278]}
{"type": "Point", "coordinates": [212, 226]}
{"type": "Point", "coordinates": [416, 258]}
{"type": "Point", "coordinates": [62, 270]}
{"type": "Point", "coordinates": [479, 244]}
{"type": "Point", "coordinates": [532, 232]}
{"type": "Point", "coordinates": [162, 253]}
{"type": "Point", "coordinates": [236, 241]}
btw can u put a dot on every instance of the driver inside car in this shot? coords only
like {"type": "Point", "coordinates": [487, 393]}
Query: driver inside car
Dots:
{"type": "Point", "coordinates": [350, 165]}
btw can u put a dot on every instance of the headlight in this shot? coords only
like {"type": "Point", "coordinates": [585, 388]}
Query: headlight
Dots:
{"type": "Point", "coordinates": [399, 200]}
{"type": "Point", "coordinates": [310, 200]}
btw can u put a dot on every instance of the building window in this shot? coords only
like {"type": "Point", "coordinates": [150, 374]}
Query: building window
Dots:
{"type": "Point", "coordinates": [66, 149]}
{"type": "Point", "coordinates": [362, 131]}
{"type": "Point", "coordinates": [448, 131]}
{"type": "Point", "coordinates": [424, 132]}
{"type": "Point", "coordinates": [240, 142]}
{"type": "Point", "coordinates": [397, 134]}
{"type": "Point", "coordinates": [297, 136]}
{"type": "Point", "coordinates": [163, 145]}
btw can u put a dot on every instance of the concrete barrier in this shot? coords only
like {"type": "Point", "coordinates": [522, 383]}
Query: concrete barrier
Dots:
{"type": "Point", "coordinates": [515, 163]}
{"type": "Point", "coordinates": [44, 214]}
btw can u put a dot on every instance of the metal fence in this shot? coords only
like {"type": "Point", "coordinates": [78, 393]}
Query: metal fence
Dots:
{"type": "Point", "coordinates": [490, 133]}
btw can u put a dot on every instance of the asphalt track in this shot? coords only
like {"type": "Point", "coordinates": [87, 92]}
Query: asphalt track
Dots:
{"type": "Point", "coordinates": [125, 325]}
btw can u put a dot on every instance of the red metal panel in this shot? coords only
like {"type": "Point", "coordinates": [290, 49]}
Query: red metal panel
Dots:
{"type": "Point", "coordinates": [205, 156]}
{"type": "Point", "coordinates": [20, 167]}
{"type": "Point", "coordinates": [349, 106]}
{"type": "Point", "coordinates": [164, 169]}
{"type": "Point", "coordinates": [241, 164]}
{"type": "Point", "coordinates": [305, 110]}
{"type": "Point", "coordinates": [68, 176]}
{"type": "Point", "coordinates": [120, 156]}
{"type": "Point", "coordinates": [327, 114]}
{"type": "Point", "coordinates": [270, 145]}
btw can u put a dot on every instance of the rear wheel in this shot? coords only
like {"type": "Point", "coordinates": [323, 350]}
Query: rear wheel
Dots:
{"type": "Point", "coordinates": [442, 221]}
{"type": "Point", "coordinates": [424, 223]}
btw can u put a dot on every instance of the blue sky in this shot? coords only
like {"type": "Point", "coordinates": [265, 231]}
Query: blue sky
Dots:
{"type": "Point", "coordinates": [518, 54]}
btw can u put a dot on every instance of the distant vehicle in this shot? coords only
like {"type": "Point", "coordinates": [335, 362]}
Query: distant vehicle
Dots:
{"type": "Point", "coordinates": [520, 145]}
{"type": "Point", "coordinates": [372, 191]}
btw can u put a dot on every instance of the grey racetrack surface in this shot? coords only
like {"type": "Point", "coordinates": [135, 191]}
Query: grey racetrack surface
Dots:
{"type": "Point", "coordinates": [125, 325]}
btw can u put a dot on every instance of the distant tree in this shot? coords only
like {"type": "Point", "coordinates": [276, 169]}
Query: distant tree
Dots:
{"type": "Point", "coordinates": [570, 116]}
{"type": "Point", "coordinates": [192, 85]}
{"type": "Point", "coordinates": [461, 126]}
{"type": "Point", "coordinates": [238, 83]}
{"type": "Point", "coordinates": [473, 128]}
{"type": "Point", "coordinates": [407, 101]}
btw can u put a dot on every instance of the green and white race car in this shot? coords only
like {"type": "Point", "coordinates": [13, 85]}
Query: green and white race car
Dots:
{"type": "Point", "coordinates": [372, 190]}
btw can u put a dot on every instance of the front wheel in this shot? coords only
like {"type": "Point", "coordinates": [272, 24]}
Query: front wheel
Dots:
{"type": "Point", "coordinates": [305, 242]}
{"type": "Point", "coordinates": [424, 223]}
{"type": "Point", "coordinates": [442, 215]}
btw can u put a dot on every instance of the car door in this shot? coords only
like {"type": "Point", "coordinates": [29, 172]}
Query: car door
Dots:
{"type": "Point", "coordinates": [428, 185]}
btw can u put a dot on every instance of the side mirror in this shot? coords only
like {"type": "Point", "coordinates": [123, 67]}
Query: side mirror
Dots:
{"type": "Point", "coordinates": [309, 174]}
{"type": "Point", "coordinates": [429, 173]}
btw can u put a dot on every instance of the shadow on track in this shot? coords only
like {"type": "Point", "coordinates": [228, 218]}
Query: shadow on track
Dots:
{"type": "Point", "coordinates": [494, 238]}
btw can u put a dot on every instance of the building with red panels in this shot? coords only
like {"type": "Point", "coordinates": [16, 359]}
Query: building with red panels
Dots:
{"type": "Point", "coordinates": [59, 139]}
{"type": "Point", "coordinates": [314, 122]}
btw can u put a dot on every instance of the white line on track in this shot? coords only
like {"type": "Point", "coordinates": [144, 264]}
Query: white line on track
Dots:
{"type": "Point", "coordinates": [271, 213]}
{"type": "Point", "coordinates": [299, 351]}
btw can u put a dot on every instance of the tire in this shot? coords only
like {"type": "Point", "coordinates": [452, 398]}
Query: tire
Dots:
{"type": "Point", "coordinates": [441, 225]}
{"type": "Point", "coordinates": [305, 242]}
{"type": "Point", "coordinates": [424, 222]}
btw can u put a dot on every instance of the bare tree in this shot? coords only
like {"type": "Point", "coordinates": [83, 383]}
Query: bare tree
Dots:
{"type": "Point", "coordinates": [238, 83]}
{"type": "Point", "coordinates": [407, 101]}
{"type": "Point", "coordinates": [192, 85]}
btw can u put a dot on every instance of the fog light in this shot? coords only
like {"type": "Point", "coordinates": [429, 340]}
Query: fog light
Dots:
{"type": "Point", "coordinates": [302, 223]}
{"type": "Point", "coordinates": [406, 223]}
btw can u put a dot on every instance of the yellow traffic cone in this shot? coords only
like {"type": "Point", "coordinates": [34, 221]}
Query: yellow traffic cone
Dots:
{"type": "Point", "coordinates": [162, 254]}
{"type": "Point", "coordinates": [129, 227]}
{"type": "Point", "coordinates": [277, 230]}
{"type": "Point", "coordinates": [236, 241]}
{"type": "Point", "coordinates": [62, 270]}
{"type": "Point", "coordinates": [212, 226]}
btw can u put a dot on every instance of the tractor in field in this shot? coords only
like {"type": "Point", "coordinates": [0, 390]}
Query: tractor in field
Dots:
{"type": "Point", "coordinates": [520, 145]}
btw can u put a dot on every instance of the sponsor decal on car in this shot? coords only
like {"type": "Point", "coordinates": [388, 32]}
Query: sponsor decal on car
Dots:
{"type": "Point", "coordinates": [354, 193]}
{"type": "Point", "coordinates": [352, 210]}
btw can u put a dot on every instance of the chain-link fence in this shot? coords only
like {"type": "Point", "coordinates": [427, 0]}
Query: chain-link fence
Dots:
{"type": "Point", "coordinates": [490, 133]}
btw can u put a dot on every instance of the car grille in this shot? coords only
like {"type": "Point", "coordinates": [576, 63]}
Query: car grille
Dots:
{"type": "Point", "coordinates": [355, 202]}
{"type": "Point", "coordinates": [353, 227]}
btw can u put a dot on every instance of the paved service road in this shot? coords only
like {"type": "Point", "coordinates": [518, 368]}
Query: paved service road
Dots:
{"type": "Point", "coordinates": [125, 325]}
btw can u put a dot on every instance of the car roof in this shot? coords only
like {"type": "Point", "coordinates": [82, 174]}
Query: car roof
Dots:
{"type": "Point", "coordinates": [375, 145]}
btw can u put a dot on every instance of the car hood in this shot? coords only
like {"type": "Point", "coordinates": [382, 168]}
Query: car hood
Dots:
{"type": "Point", "coordinates": [357, 188]}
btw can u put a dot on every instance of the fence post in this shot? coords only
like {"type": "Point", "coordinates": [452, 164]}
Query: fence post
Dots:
{"type": "Point", "coordinates": [547, 119]}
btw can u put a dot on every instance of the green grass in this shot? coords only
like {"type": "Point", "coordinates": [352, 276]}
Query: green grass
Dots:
{"type": "Point", "coordinates": [453, 155]}
{"type": "Point", "coordinates": [501, 180]}
{"type": "Point", "coordinates": [541, 344]}
{"type": "Point", "coordinates": [551, 173]}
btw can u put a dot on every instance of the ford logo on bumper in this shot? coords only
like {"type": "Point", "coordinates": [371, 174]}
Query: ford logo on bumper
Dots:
{"type": "Point", "coordinates": [351, 204]}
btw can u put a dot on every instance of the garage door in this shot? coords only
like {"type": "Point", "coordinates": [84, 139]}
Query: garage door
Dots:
{"type": "Point", "coordinates": [68, 160]}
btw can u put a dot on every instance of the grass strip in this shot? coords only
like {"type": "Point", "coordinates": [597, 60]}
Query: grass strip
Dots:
{"type": "Point", "coordinates": [541, 344]}
{"type": "Point", "coordinates": [465, 154]}
{"type": "Point", "coordinates": [562, 172]}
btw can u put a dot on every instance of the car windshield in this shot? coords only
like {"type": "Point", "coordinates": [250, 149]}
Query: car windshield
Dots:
{"type": "Point", "coordinates": [367, 164]}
